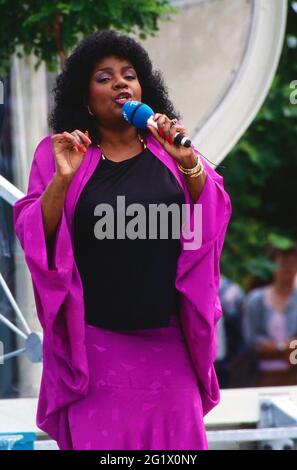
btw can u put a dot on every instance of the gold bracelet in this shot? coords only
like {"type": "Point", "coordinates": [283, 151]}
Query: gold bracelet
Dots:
{"type": "Point", "coordinates": [190, 171]}
{"type": "Point", "coordinates": [195, 171]}
{"type": "Point", "coordinates": [198, 172]}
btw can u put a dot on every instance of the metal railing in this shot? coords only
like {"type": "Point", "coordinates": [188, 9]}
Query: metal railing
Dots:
{"type": "Point", "coordinates": [33, 340]}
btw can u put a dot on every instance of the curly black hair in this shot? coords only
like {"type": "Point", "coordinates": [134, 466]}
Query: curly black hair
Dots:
{"type": "Point", "coordinates": [70, 90]}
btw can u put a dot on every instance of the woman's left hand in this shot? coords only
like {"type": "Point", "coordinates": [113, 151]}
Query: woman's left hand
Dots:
{"type": "Point", "coordinates": [165, 136]}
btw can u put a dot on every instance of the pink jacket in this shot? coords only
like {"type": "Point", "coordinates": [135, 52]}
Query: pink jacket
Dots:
{"type": "Point", "coordinates": [58, 288]}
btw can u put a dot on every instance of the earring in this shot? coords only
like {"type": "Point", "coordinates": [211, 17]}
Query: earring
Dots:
{"type": "Point", "coordinates": [89, 111]}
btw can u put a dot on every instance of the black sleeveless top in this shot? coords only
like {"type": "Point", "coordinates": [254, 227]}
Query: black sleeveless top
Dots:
{"type": "Point", "coordinates": [128, 283]}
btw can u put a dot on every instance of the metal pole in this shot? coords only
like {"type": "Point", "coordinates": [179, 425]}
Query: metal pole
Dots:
{"type": "Point", "coordinates": [18, 352]}
{"type": "Point", "coordinates": [14, 304]}
{"type": "Point", "coordinates": [12, 326]}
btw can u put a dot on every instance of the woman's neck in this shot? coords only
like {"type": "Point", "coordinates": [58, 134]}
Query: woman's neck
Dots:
{"type": "Point", "coordinates": [115, 139]}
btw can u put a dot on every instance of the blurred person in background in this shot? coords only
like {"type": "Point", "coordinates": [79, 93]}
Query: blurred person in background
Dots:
{"type": "Point", "coordinates": [229, 328]}
{"type": "Point", "coordinates": [270, 320]}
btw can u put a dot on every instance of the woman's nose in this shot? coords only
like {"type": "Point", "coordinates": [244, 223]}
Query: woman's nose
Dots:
{"type": "Point", "coordinates": [120, 82]}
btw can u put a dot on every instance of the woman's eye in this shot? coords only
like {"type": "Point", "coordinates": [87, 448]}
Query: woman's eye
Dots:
{"type": "Point", "coordinates": [106, 78]}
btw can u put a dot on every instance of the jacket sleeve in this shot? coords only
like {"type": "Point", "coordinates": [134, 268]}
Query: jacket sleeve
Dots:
{"type": "Point", "coordinates": [199, 280]}
{"type": "Point", "coordinates": [50, 279]}
{"type": "Point", "coordinates": [58, 297]}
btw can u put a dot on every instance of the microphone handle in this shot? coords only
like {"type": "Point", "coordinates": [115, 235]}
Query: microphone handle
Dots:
{"type": "Point", "coordinates": [178, 139]}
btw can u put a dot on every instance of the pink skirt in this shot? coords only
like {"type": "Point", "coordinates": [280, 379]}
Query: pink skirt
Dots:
{"type": "Point", "coordinates": [143, 393]}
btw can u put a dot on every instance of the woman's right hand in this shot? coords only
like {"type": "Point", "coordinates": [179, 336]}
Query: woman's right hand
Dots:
{"type": "Point", "coordinates": [69, 150]}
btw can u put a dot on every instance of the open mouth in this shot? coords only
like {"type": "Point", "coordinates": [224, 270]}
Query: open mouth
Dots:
{"type": "Point", "coordinates": [122, 99]}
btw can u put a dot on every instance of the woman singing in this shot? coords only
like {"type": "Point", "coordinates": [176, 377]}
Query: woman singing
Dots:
{"type": "Point", "coordinates": [129, 321]}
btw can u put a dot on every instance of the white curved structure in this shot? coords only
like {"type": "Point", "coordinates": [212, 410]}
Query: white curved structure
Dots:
{"type": "Point", "coordinates": [219, 58]}
{"type": "Point", "coordinates": [231, 117]}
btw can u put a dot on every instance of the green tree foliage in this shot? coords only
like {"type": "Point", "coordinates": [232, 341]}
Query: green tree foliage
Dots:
{"type": "Point", "coordinates": [261, 174]}
{"type": "Point", "coordinates": [51, 28]}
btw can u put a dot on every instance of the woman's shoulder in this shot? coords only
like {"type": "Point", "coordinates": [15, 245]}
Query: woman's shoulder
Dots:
{"type": "Point", "coordinates": [44, 157]}
{"type": "Point", "coordinates": [256, 295]}
{"type": "Point", "coordinates": [45, 144]}
{"type": "Point", "coordinates": [294, 294]}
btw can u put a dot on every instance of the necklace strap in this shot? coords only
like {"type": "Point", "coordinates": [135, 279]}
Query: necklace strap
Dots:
{"type": "Point", "coordinates": [140, 140]}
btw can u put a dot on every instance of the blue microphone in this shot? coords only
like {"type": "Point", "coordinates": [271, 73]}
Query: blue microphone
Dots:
{"type": "Point", "coordinates": [140, 115]}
